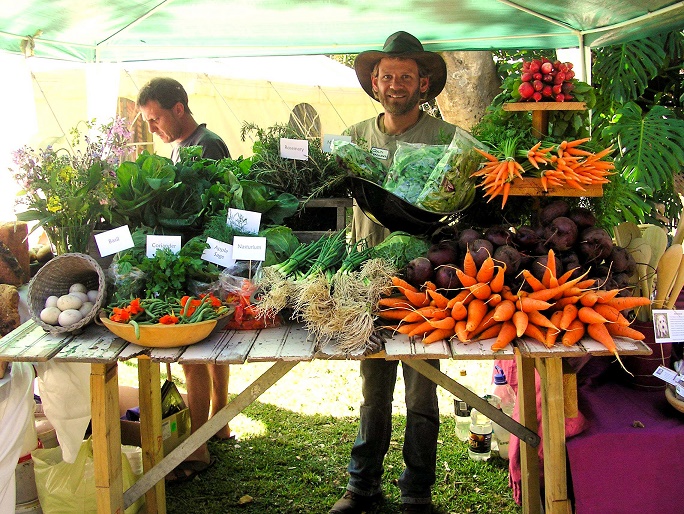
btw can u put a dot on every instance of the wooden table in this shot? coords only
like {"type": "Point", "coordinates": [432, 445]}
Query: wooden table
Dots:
{"type": "Point", "coordinates": [286, 346]}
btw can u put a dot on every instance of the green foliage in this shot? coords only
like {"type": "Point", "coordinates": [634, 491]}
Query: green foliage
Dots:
{"type": "Point", "coordinates": [166, 273]}
{"type": "Point", "coordinates": [400, 248]}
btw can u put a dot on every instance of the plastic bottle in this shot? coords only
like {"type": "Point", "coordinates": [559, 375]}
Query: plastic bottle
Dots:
{"type": "Point", "coordinates": [480, 442]}
{"type": "Point", "coordinates": [506, 397]}
{"type": "Point", "coordinates": [462, 410]}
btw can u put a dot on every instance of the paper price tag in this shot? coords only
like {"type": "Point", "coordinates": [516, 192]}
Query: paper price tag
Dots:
{"type": "Point", "coordinates": [668, 375]}
{"type": "Point", "coordinates": [115, 240]}
{"type": "Point", "coordinates": [219, 253]}
{"type": "Point", "coordinates": [154, 243]}
{"type": "Point", "coordinates": [249, 248]}
{"type": "Point", "coordinates": [668, 325]}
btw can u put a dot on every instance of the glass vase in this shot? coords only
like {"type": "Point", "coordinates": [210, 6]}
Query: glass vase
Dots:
{"type": "Point", "coordinates": [71, 239]}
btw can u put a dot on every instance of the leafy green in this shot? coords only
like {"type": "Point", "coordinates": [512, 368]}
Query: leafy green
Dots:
{"type": "Point", "coordinates": [358, 162]}
{"type": "Point", "coordinates": [411, 167]}
{"type": "Point", "coordinates": [281, 242]}
{"type": "Point", "coordinates": [400, 248]}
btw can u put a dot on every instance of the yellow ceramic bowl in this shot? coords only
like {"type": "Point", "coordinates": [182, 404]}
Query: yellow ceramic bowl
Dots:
{"type": "Point", "coordinates": [161, 336]}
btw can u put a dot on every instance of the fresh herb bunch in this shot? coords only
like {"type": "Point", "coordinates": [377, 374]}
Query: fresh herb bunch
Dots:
{"type": "Point", "coordinates": [318, 176]}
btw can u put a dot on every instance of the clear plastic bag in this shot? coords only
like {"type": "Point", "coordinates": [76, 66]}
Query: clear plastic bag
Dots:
{"type": "Point", "coordinates": [124, 285]}
{"type": "Point", "coordinates": [411, 167]}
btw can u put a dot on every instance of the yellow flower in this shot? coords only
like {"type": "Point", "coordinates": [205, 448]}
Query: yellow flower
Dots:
{"type": "Point", "coordinates": [67, 174]}
{"type": "Point", "coordinates": [53, 204]}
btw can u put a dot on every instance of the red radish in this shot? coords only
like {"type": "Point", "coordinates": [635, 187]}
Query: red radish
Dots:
{"type": "Point", "coordinates": [538, 85]}
{"type": "Point", "coordinates": [567, 87]}
{"type": "Point", "coordinates": [556, 89]}
{"type": "Point", "coordinates": [527, 77]}
{"type": "Point", "coordinates": [560, 97]}
{"type": "Point", "coordinates": [569, 75]}
{"type": "Point", "coordinates": [547, 67]}
{"type": "Point", "coordinates": [535, 65]}
{"type": "Point", "coordinates": [547, 91]}
{"type": "Point", "coordinates": [559, 78]}
{"type": "Point", "coordinates": [537, 96]}
{"type": "Point", "coordinates": [526, 90]}
{"type": "Point", "coordinates": [568, 96]}
{"type": "Point", "coordinates": [548, 78]}
{"type": "Point", "coordinates": [569, 65]}
{"type": "Point", "coordinates": [557, 64]}
{"type": "Point", "coordinates": [537, 76]}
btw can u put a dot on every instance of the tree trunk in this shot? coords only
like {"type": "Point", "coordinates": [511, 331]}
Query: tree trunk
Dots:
{"type": "Point", "coordinates": [472, 84]}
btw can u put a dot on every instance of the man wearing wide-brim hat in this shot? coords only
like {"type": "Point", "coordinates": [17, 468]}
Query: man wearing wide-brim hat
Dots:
{"type": "Point", "coordinates": [401, 77]}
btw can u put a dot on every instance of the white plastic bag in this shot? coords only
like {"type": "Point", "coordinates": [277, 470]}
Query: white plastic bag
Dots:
{"type": "Point", "coordinates": [64, 389]}
{"type": "Point", "coordinates": [16, 414]}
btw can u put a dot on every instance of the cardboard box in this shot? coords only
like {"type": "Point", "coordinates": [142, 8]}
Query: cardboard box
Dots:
{"type": "Point", "coordinates": [175, 428]}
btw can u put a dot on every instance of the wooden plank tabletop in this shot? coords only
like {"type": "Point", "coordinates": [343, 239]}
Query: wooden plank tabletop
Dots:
{"type": "Point", "coordinates": [479, 350]}
{"type": "Point", "coordinates": [532, 348]}
{"type": "Point", "coordinates": [98, 345]}
{"type": "Point", "coordinates": [29, 342]}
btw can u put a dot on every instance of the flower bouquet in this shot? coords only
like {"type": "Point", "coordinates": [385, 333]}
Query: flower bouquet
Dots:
{"type": "Point", "coordinates": [67, 190]}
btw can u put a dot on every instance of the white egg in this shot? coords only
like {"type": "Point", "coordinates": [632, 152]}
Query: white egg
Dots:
{"type": "Point", "coordinates": [80, 288]}
{"type": "Point", "coordinates": [51, 301]}
{"type": "Point", "coordinates": [69, 317]}
{"type": "Point", "coordinates": [86, 308]}
{"type": "Point", "coordinates": [92, 295]}
{"type": "Point", "coordinates": [69, 301]}
{"type": "Point", "coordinates": [81, 296]}
{"type": "Point", "coordinates": [50, 315]}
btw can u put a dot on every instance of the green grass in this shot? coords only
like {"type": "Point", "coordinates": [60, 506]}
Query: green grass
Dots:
{"type": "Point", "coordinates": [293, 449]}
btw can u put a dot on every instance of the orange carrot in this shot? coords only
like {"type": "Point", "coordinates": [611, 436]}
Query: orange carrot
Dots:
{"type": "Point", "coordinates": [605, 296]}
{"type": "Point", "coordinates": [623, 331]}
{"type": "Point", "coordinates": [466, 280]}
{"type": "Point", "coordinates": [417, 298]}
{"type": "Point", "coordinates": [504, 311]}
{"type": "Point", "coordinates": [490, 332]}
{"type": "Point", "coordinates": [569, 315]}
{"type": "Point", "coordinates": [424, 313]}
{"type": "Point", "coordinates": [494, 300]}
{"type": "Point", "coordinates": [599, 332]}
{"type": "Point", "coordinates": [459, 311]}
{"type": "Point", "coordinates": [589, 298]}
{"type": "Point", "coordinates": [611, 314]}
{"type": "Point", "coordinates": [486, 271]}
{"type": "Point", "coordinates": [533, 281]}
{"type": "Point", "coordinates": [438, 299]}
{"type": "Point", "coordinates": [507, 294]}
{"type": "Point", "coordinates": [497, 282]}
{"type": "Point", "coordinates": [566, 300]}
{"type": "Point", "coordinates": [589, 316]}
{"type": "Point", "coordinates": [506, 335]}
{"type": "Point", "coordinates": [447, 323]}
{"type": "Point", "coordinates": [477, 310]}
{"type": "Point", "coordinates": [520, 320]}
{"type": "Point", "coordinates": [573, 333]}
{"type": "Point", "coordinates": [537, 318]}
{"type": "Point", "coordinates": [393, 314]}
{"type": "Point", "coordinates": [403, 285]}
{"type": "Point", "coordinates": [481, 290]}
{"type": "Point", "coordinates": [586, 284]}
{"type": "Point", "coordinates": [438, 335]}
{"type": "Point", "coordinates": [461, 332]}
{"type": "Point", "coordinates": [530, 304]}
{"type": "Point", "coordinates": [430, 286]}
{"type": "Point", "coordinates": [550, 270]}
{"type": "Point", "coordinates": [460, 297]}
{"type": "Point", "coordinates": [552, 333]}
{"type": "Point", "coordinates": [534, 332]}
{"type": "Point", "coordinates": [469, 265]}
{"type": "Point", "coordinates": [394, 301]}
{"type": "Point", "coordinates": [406, 328]}
{"type": "Point", "coordinates": [622, 303]}
{"type": "Point", "coordinates": [421, 329]}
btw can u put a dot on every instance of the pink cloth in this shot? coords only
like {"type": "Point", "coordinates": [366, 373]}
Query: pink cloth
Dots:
{"type": "Point", "coordinates": [573, 426]}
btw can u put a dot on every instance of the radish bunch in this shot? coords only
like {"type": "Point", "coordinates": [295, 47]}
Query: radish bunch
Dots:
{"type": "Point", "coordinates": [545, 80]}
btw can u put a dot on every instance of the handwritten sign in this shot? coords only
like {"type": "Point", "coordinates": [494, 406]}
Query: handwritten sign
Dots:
{"type": "Point", "coordinates": [245, 221]}
{"type": "Point", "coordinates": [249, 248]}
{"type": "Point", "coordinates": [294, 149]}
{"type": "Point", "coordinates": [154, 243]}
{"type": "Point", "coordinates": [219, 253]}
{"type": "Point", "coordinates": [115, 240]}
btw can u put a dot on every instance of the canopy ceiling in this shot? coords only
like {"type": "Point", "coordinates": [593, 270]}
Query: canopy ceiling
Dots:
{"type": "Point", "coordinates": [133, 30]}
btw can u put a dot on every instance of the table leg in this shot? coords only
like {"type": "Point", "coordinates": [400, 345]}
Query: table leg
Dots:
{"type": "Point", "coordinates": [104, 405]}
{"type": "Point", "coordinates": [149, 397]}
{"type": "Point", "coordinates": [529, 458]}
{"type": "Point", "coordinates": [553, 426]}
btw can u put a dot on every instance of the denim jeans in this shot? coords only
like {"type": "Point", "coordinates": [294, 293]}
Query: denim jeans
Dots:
{"type": "Point", "coordinates": [375, 430]}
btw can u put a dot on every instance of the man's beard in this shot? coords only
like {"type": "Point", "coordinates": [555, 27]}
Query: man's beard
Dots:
{"type": "Point", "coordinates": [398, 109]}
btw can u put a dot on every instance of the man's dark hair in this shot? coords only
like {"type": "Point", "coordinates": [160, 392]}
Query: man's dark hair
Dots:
{"type": "Point", "coordinates": [167, 91]}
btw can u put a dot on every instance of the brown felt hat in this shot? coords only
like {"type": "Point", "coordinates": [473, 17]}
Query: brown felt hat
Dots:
{"type": "Point", "coordinates": [404, 45]}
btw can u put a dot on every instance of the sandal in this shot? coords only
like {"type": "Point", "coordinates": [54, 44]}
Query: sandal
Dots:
{"type": "Point", "coordinates": [187, 470]}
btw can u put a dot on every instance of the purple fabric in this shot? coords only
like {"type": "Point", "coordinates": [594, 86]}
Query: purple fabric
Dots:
{"type": "Point", "coordinates": [617, 468]}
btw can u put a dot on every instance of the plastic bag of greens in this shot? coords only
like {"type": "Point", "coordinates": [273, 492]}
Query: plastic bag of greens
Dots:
{"type": "Point", "coordinates": [449, 187]}
{"type": "Point", "coordinates": [357, 161]}
{"type": "Point", "coordinates": [412, 165]}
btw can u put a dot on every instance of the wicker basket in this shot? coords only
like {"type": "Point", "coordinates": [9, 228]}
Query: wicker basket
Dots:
{"type": "Point", "coordinates": [55, 278]}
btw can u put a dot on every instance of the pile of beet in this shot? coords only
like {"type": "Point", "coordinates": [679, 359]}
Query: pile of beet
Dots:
{"type": "Point", "coordinates": [572, 234]}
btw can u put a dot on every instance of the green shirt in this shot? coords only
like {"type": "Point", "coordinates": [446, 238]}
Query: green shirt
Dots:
{"type": "Point", "coordinates": [429, 130]}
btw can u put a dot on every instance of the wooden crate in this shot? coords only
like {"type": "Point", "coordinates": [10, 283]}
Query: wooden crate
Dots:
{"type": "Point", "coordinates": [318, 217]}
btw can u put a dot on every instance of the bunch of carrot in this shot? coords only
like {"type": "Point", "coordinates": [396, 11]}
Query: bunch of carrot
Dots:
{"type": "Point", "coordinates": [558, 308]}
{"type": "Point", "coordinates": [563, 164]}
{"type": "Point", "coordinates": [568, 164]}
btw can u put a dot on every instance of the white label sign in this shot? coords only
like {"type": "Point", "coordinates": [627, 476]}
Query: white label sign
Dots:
{"type": "Point", "coordinates": [668, 375]}
{"type": "Point", "coordinates": [294, 149]}
{"type": "Point", "coordinates": [219, 253]}
{"type": "Point", "coordinates": [245, 221]}
{"type": "Point", "coordinates": [329, 138]}
{"type": "Point", "coordinates": [115, 240]}
{"type": "Point", "coordinates": [155, 243]}
{"type": "Point", "coordinates": [249, 248]}
{"type": "Point", "coordinates": [668, 326]}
